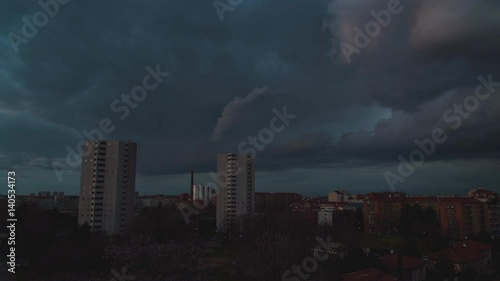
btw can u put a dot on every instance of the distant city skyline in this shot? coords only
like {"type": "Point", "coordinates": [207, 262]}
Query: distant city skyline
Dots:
{"type": "Point", "coordinates": [178, 183]}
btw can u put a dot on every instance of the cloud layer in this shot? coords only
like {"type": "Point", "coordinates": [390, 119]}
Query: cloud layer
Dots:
{"type": "Point", "coordinates": [352, 117]}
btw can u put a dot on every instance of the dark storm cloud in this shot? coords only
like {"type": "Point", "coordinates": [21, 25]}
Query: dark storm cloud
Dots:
{"type": "Point", "coordinates": [473, 137]}
{"type": "Point", "coordinates": [65, 78]}
{"type": "Point", "coordinates": [422, 52]}
{"type": "Point", "coordinates": [235, 110]}
{"type": "Point", "coordinates": [457, 28]}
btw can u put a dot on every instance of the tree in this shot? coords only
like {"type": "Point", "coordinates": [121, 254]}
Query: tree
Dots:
{"type": "Point", "coordinates": [161, 223]}
{"type": "Point", "coordinates": [356, 260]}
{"type": "Point", "coordinates": [276, 242]}
{"type": "Point", "coordinates": [417, 221]}
{"type": "Point", "coordinates": [274, 254]}
{"type": "Point", "coordinates": [410, 247]}
{"type": "Point", "coordinates": [147, 259]}
{"type": "Point", "coordinates": [467, 274]}
{"type": "Point", "coordinates": [359, 221]}
{"type": "Point", "coordinates": [443, 270]}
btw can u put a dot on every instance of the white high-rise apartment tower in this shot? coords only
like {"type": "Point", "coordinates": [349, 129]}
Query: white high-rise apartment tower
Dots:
{"type": "Point", "coordinates": [202, 193]}
{"type": "Point", "coordinates": [107, 186]}
{"type": "Point", "coordinates": [236, 186]}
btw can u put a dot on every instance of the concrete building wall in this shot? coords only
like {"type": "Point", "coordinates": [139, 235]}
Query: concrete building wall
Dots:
{"type": "Point", "coordinates": [236, 184]}
{"type": "Point", "coordinates": [338, 196]}
{"type": "Point", "coordinates": [325, 217]}
{"type": "Point", "coordinates": [202, 193]}
{"type": "Point", "coordinates": [107, 186]}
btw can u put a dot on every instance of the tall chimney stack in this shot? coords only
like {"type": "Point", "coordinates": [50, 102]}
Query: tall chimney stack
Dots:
{"type": "Point", "coordinates": [192, 184]}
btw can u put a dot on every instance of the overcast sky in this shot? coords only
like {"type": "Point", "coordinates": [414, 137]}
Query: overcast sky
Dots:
{"type": "Point", "coordinates": [353, 117]}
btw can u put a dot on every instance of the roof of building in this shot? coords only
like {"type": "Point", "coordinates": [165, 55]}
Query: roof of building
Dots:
{"type": "Point", "coordinates": [332, 204]}
{"type": "Point", "coordinates": [391, 262]}
{"type": "Point", "coordinates": [339, 192]}
{"type": "Point", "coordinates": [457, 255]}
{"type": "Point", "coordinates": [278, 194]}
{"type": "Point", "coordinates": [385, 195]}
{"type": "Point", "coordinates": [402, 198]}
{"type": "Point", "coordinates": [483, 191]}
{"type": "Point", "coordinates": [459, 199]}
{"type": "Point", "coordinates": [473, 245]}
{"type": "Point", "coordinates": [368, 275]}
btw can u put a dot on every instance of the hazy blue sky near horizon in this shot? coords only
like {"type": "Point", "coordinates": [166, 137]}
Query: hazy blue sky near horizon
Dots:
{"type": "Point", "coordinates": [352, 120]}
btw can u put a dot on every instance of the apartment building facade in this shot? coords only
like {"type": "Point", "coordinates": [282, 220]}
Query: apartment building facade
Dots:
{"type": "Point", "coordinates": [236, 189]}
{"type": "Point", "coordinates": [458, 216]}
{"type": "Point", "coordinates": [107, 186]}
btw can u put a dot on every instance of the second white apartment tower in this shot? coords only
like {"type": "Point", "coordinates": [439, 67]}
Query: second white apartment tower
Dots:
{"type": "Point", "coordinates": [236, 189]}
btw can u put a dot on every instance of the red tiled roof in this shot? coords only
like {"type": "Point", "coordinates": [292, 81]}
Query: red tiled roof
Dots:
{"type": "Point", "coordinates": [391, 262]}
{"type": "Point", "coordinates": [483, 191]}
{"type": "Point", "coordinates": [459, 200]}
{"type": "Point", "coordinates": [473, 245]}
{"type": "Point", "coordinates": [457, 255]}
{"type": "Point", "coordinates": [368, 275]}
{"type": "Point", "coordinates": [385, 195]}
{"type": "Point", "coordinates": [332, 204]}
{"type": "Point", "coordinates": [423, 199]}
{"type": "Point", "coordinates": [399, 198]}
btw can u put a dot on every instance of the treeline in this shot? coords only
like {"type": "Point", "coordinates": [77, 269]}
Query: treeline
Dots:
{"type": "Point", "coordinates": [160, 246]}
